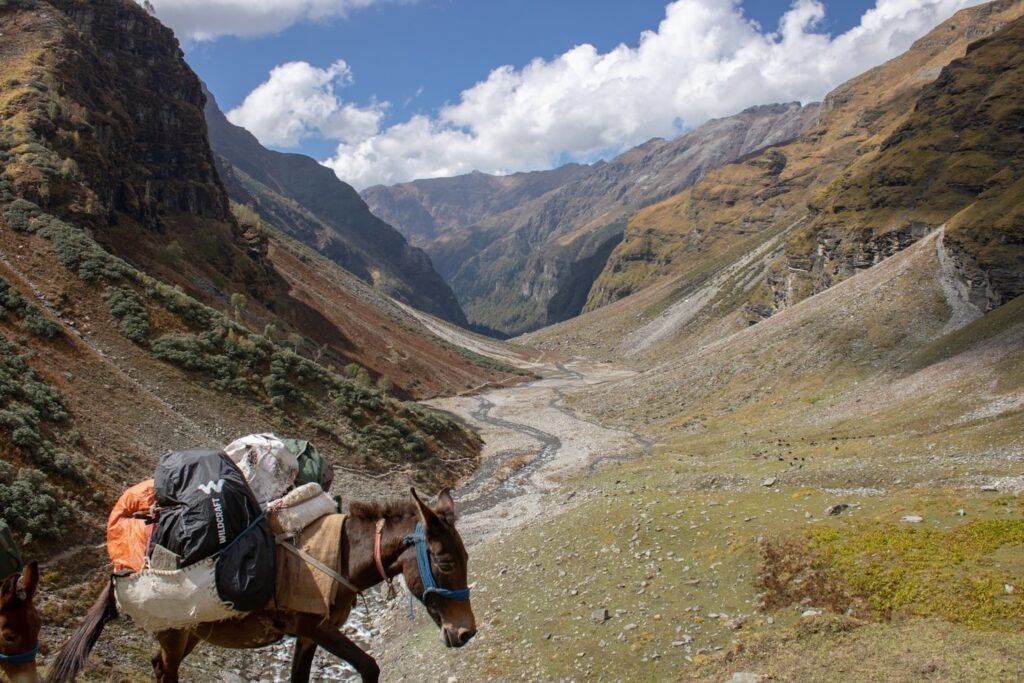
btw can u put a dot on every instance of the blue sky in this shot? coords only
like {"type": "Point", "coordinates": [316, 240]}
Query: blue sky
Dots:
{"type": "Point", "coordinates": [389, 90]}
{"type": "Point", "coordinates": [419, 56]}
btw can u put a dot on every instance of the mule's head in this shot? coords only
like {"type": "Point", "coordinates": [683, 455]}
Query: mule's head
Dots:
{"type": "Point", "coordinates": [19, 625]}
{"type": "Point", "coordinates": [447, 600]}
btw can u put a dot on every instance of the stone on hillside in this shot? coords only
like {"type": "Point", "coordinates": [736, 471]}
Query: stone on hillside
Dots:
{"type": "Point", "coordinates": [836, 510]}
{"type": "Point", "coordinates": [1009, 588]}
{"type": "Point", "coordinates": [807, 613]}
{"type": "Point", "coordinates": [770, 481]}
{"type": "Point", "coordinates": [990, 487]}
{"type": "Point", "coordinates": [747, 677]}
{"type": "Point", "coordinates": [600, 615]}
{"type": "Point", "coordinates": [912, 519]}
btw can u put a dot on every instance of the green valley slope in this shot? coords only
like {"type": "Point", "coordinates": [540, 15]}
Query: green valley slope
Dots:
{"type": "Point", "coordinates": [139, 314]}
{"type": "Point", "coordinates": [300, 198]}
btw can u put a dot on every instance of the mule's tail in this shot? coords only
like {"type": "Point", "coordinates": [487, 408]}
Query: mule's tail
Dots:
{"type": "Point", "coordinates": [73, 654]}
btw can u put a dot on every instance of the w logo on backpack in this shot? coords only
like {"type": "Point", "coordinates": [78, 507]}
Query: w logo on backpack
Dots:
{"type": "Point", "coordinates": [215, 486]}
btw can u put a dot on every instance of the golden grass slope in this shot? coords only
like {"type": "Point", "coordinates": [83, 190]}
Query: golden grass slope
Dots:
{"type": "Point", "coordinates": [961, 149]}
{"type": "Point", "coordinates": [779, 184]}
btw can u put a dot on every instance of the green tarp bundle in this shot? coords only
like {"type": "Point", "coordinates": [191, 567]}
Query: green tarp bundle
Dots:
{"type": "Point", "coordinates": [313, 466]}
{"type": "Point", "coordinates": [10, 558]}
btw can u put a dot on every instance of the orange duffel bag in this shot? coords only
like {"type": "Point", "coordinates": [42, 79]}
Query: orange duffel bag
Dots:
{"type": "Point", "coordinates": [127, 529]}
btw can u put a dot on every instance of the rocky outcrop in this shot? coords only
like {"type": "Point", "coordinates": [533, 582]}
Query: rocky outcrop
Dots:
{"type": "Point", "coordinates": [305, 200]}
{"type": "Point", "coordinates": [958, 157]}
{"type": "Point", "coordinates": [136, 154]}
{"type": "Point", "coordinates": [526, 253]}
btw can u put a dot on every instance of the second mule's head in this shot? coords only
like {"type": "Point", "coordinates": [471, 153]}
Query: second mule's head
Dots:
{"type": "Point", "coordinates": [19, 625]}
{"type": "Point", "coordinates": [447, 563]}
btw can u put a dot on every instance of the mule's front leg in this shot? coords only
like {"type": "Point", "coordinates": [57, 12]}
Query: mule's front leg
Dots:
{"type": "Point", "coordinates": [331, 639]}
{"type": "Point", "coordinates": [302, 660]}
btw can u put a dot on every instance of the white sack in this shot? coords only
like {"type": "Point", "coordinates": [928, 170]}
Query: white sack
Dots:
{"type": "Point", "coordinates": [268, 465]}
{"type": "Point", "coordinates": [299, 509]}
{"type": "Point", "coordinates": [158, 600]}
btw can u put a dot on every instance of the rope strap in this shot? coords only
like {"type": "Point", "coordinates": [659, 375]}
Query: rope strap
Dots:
{"type": "Point", "coordinates": [378, 534]}
{"type": "Point", "coordinates": [262, 516]}
{"type": "Point", "coordinates": [316, 564]}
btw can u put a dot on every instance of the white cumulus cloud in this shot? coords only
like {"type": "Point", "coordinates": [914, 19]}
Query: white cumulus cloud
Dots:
{"type": "Point", "coordinates": [299, 101]}
{"type": "Point", "coordinates": [706, 59]}
{"type": "Point", "coordinates": [208, 19]}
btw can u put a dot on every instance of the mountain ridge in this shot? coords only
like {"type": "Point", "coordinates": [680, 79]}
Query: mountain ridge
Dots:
{"type": "Point", "coordinates": [304, 199]}
{"type": "Point", "coordinates": [531, 265]}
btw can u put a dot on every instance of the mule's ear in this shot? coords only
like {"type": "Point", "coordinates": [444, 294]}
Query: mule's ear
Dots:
{"type": "Point", "coordinates": [445, 506]}
{"type": "Point", "coordinates": [427, 515]}
{"type": "Point", "coordinates": [30, 580]}
{"type": "Point", "coordinates": [9, 589]}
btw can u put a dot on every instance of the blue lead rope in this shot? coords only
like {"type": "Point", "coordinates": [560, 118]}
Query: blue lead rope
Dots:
{"type": "Point", "coordinates": [23, 658]}
{"type": "Point", "coordinates": [418, 538]}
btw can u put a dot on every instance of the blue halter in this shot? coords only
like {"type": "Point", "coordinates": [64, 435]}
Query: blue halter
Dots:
{"type": "Point", "coordinates": [418, 538]}
{"type": "Point", "coordinates": [23, 658]}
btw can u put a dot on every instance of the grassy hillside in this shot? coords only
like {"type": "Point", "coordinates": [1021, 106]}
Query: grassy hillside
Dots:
{"type": "Point", "coordinates": [775, 521]}
{"type": "Point", "coordinates": [798, 187]}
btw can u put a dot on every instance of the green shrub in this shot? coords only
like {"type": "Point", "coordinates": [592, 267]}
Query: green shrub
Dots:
{"type": "Point", "coordinates": [32, 318]}
{"type": "Point", "coordinates": [31, 506]}
{"type": "Point", "coordinates": [126, 306]}
{"type": "Point", "coordinates": [78, 251]}
{"type": "Point", "coordinates": [358, 374]}
{"type": "Point", "coordinates": [30, 411]}
{"type": "Point", "coordinates": [198, 353]}
{"type": "Point", "coordinates": [19, 215]}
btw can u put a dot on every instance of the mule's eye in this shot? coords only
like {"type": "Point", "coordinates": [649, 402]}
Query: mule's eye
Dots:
{"type": "Point", "coordinates": [445, 567]}
{"type": "Point", "coordinates": [10, 637]}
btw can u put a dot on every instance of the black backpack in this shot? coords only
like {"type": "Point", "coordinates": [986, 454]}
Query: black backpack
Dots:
{"type": "Point", "coordinates": [207, 509]}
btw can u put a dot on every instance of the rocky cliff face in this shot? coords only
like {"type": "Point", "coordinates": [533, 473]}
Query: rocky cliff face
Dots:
{"type": "Point", "coordinates": [135, 154]}
{"type": "Point", "coordinates": [103, 125]}
{"type": "Point", "coordinates": [518, 268]}
{"type": "Point", "coordinates": [305, 200]}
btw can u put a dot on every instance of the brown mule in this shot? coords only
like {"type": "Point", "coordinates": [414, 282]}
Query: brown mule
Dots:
{"type": "Point", "coordinates": [19, 626]}
{"type": "Point", "coordinates": [447, 557]}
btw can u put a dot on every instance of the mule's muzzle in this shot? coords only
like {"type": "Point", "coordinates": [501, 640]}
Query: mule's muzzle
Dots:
{"type": "Point", "coordinates": [457, 637]}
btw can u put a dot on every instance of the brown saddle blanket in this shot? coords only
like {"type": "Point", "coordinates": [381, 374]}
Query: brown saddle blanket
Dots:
{"type": "Point", "coordinates": [302, 587]}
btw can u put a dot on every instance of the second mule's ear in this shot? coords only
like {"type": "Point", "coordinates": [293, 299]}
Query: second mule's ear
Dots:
{"type": "Point", "coordinates": [30, 580]}
{"type": "Point", "coordinates": [9, 589]}
{"type": "Point", "coordinates": [427, 515]}
{"type": "Point", "coordinates": [445, 506]}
